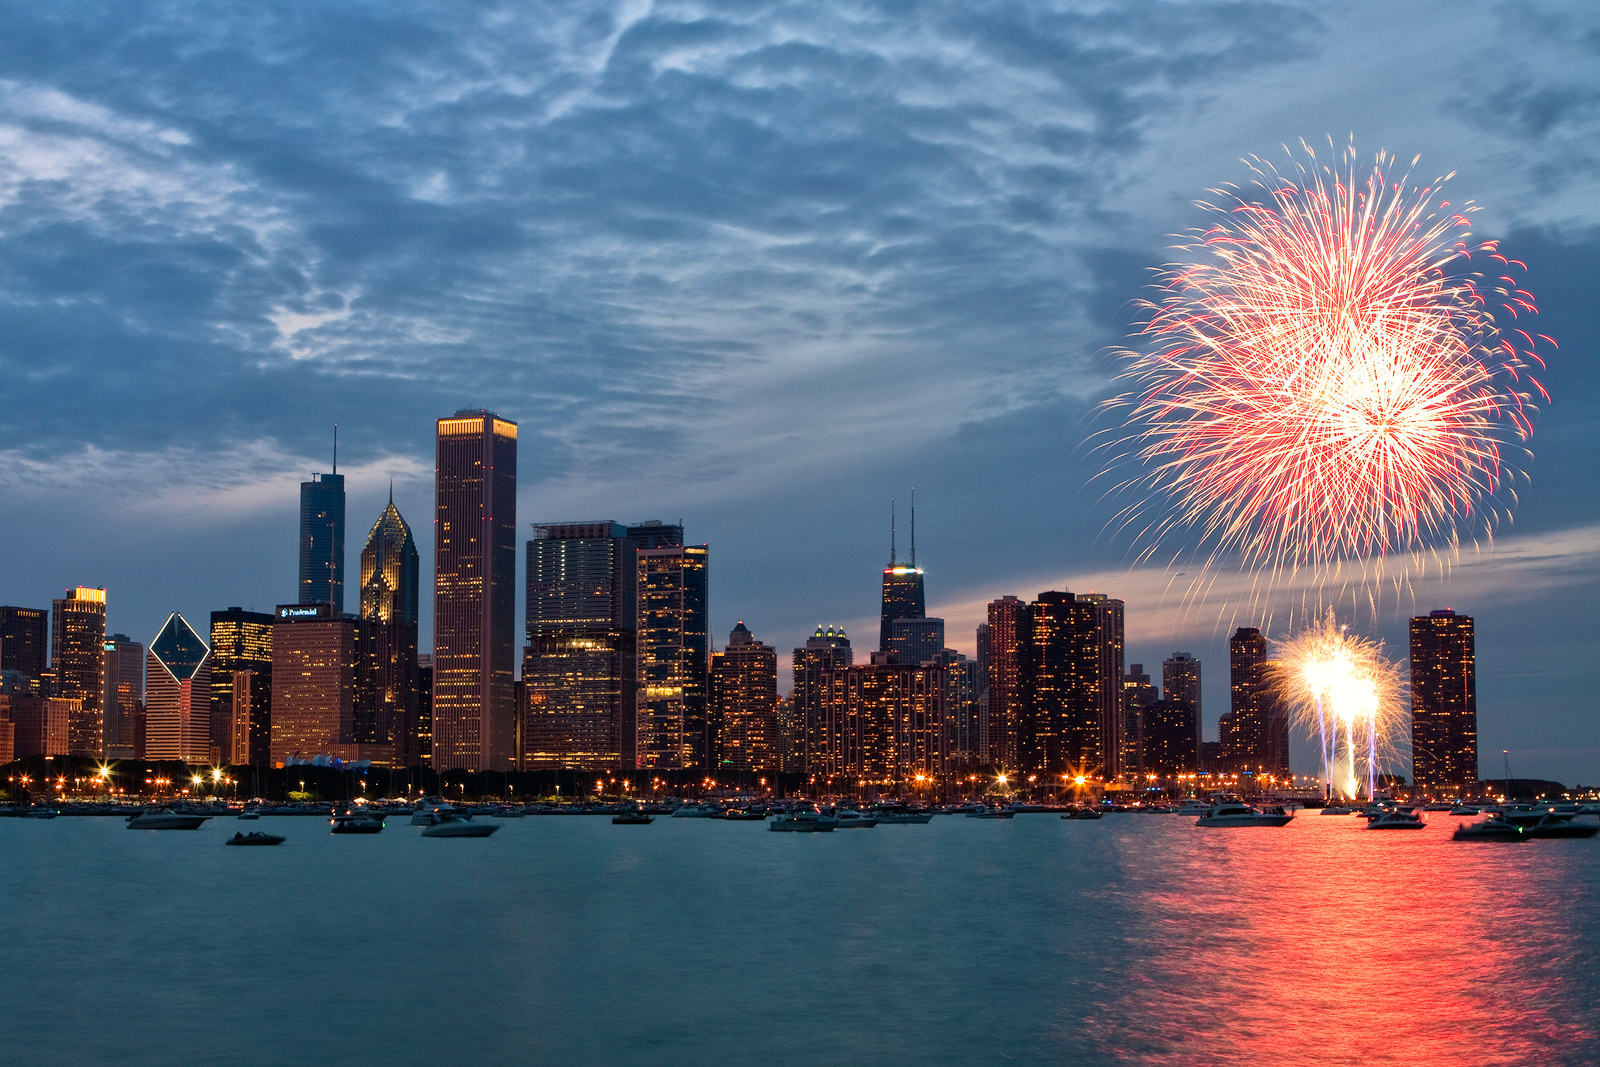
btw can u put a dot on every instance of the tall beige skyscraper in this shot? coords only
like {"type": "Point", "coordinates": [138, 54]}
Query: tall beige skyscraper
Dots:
{"type": "Point", "coordinates": [77, 649]}
{"type": "Point", "coordinates": [474, 592]}
{"type": "Point", "coordinates": [178, 694]}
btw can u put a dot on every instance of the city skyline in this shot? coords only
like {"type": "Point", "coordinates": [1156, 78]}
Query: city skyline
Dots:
{"type": "Point", "coordinates": [755, 275]}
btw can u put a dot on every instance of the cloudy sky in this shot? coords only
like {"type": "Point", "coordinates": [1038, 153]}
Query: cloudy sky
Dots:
{"type": "Point", "coordinates": [754, 266]}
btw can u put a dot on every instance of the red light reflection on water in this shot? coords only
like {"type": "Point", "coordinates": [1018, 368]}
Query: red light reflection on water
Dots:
{"type": "Point", "coordinates": [1329, 943]}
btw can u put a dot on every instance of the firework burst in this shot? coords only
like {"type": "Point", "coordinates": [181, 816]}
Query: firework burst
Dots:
{"type": "Point", "coordinates": [1326, 381]}
{"type": "Point", "coordinates": [1344, 693]}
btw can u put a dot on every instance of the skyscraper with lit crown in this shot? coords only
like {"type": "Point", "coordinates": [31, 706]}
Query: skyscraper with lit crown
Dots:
{"type": "Point", "coordinates": [902, 585]}
{"type": "Point", "coordinates": [474, 592]}
{"type": "Point", "coordinates": [178, 694]}
{"type": "Point", "coordinates": [386, 665]}
{"type": "Point", "coordinates": [77, 651]}
{"type": "Point", "coordinates": [744, 696]}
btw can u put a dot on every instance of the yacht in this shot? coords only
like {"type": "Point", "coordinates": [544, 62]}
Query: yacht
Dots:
{"type": "Point", "coordinates": [698, 811]}
{"type": "Point", "coordinates": [249, 813]}
{"type": "Point", "coordinates": [846, 819]}
{"type": "Point", "coordinates": [632, 818]}
{"type": "Point", "coordinates": [1338, 809]}
{"type": "Point", "coordinates": [992, 813]}
{"type": "Point", "coordinates": [359, 822]}
{"type": "Point", "coordinates": [1494, 828]}
{"type": "Point", "coordinates": [254, 837]}
{"type": "Point", "coordinates": [165, 819]}
{"type": "Point", "coordinates": [1463, 809]}
{"type": "Point", "coordinates": [899, 818]}
{"type": "Point", "coordinates": [427, 807]}
{"type": "Point", "coordinates": [1238, 813]}
{"type": "Point", "coordinates": [1397, 820]}
{"type": "Point", "coordinates": [1192, 807]}
{"type": "Point", "coordinates": [1082, 813]}
{"type": "Point", "coordinates": [1555, 824]}
{"type": "Point", "coordinates": [454, 824]}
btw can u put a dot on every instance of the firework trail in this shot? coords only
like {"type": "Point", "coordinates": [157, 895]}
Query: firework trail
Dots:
{"type": "Point", "coordinates": [1335, 379]}
{"type": "Point", "coordinates": [1344, 692]}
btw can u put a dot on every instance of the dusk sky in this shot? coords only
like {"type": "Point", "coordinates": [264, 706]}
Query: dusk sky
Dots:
{"type": "Point", "coordinates": [755, 267]}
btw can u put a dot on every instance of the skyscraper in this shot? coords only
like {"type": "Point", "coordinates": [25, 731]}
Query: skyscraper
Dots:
{"type": "Point", "coordinates": [322, 539]}
{"type": "Point", "coordinates": [178, 694]}
{"type": "Point", "coordinates": [1061, 687]}
{"type": "Point", "coordinates": [915, 640]}
{"type": "Point", "coordinates": [902, 584]}
{"type": "Point", "coordinates": [1137, 694]}
{"type": "Point", "coordinates": [24, 640]}
{"type": "Point", "coordinates": [474, 591]}
{"type": "Point", "coordinates": [1444, 703]}
{"type": "Point", "coordinates": [1255, 732]}
{"type": "Point", "coordinates": [581, 663]}
{"type": "Point", "coordinates": [882, 723]}
{"type": "Point", "coordinates": [825, 650]}
{"type": "Point", "coordinates": [124, 697]}
{"type": "Point", "coordinates": [1110, 624]}
{"type": "Point", "coordinates": [744, 688]}
{"type": "Point", "coordinates": [77, 650]}
{"type": "Point", "coordinates": [674, 648]}
{"type": "Point", "coordinates": [1180, 677]}
{"type": "Point", "coordinates": [241, 717]}
{"type": "Point", "coordinates": [313, 683]}
{"type": "Point", "coordinates": [386, 659]}
{"type": "Point", "coordinates": [1169, 733]}
{"type": "Point", "coordinates": [1001, 680]}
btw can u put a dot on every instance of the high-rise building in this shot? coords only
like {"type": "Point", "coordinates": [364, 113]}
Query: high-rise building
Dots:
{"type": "Point", "coordinates": [915, 640]}
{"type": "Point", "coordinates": [674, 648]}
{"type": "Point", "coordinates": [124, 697]}
{"type": "Point", "coordinates": [40, 725]}
{"type": "Point", "coordinates": [1444, 703]}
{"type": "Point", "coordinates": [982, 721]}
{"type": "Point", "coordinates": [825, 650]}
{"type": "Point", "coordinates": [902, 584]}
{"type": "Point", "coordinates": [1169, 733]}
{"type": "Point", "coordinates": [322, 540]}
{"type": "Point", "coordinates": [424, 738]}
{"type": "Point", "coordinates": [882, 723]}
{"type": "Point", "coordinates": [474, 592]}
{"type": "Point", "coordinates": [1180, 678]}
{"type": "Point", "coordinates": [24, 640]}
{"type": "Point", "coordinates": [1137, 694]}
{"type": "Point", "coordinates": [313, 683]}
{"type": "Point", "coordinates": [581, 663]}
{"type": "Point", "coordinates": [1001, 678]}
{"type": "Point", "coordinates": [961, 719]}
{"type": "Point", "coordinates": [1109, 614]}
{"type": "Point", "coordinates": [1060, 687]}
{"type": "Point", "coordinates": [386, 659]}
{"type": "Point", "coordinates": [1255, 732]}
{"type": "Point", "coordinates": [744, 692]}
{"type": "Point", "coordinates": [241, 643]}
{"type": "Point", "coordinates": [178, 694]}
{"type": "Point", "coordinates": [77, 652]}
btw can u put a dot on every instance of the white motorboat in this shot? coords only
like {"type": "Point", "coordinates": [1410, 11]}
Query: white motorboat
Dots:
{"type": "Point", "coordinates": [802, 822]}
{"type": "Point", "coordinates": [992, 813]}
{"type": "Point", "coordinates": [698, 811]}
{"type": "Point", "coordinates": [165, 819]}
{"type": "Point", "coordinates": [1397, 820]}
{"type": "Point", "coordinates": [1238, 813]}
{"type": "Point", "coordinates": [902, 818]}
{"type": "Point", "coordinates": [1192, 807]}
{"type": "Point", "coordinates": [454, 824]}
{"type": "Point", "coordinates": [356, 822]}
{"type": "Point", "coordinates": [846, 819]}
{"type": "Point", "coordinates": [428, 807]}
{"type": "Point", "coordinates": [249, 813]}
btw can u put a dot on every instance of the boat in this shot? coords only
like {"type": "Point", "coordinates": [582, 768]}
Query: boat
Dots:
{"type": "Point", "coordinates": [165, 819]}
{"type": "Point", "coordinates": [802, 822]}
{"type": "Point", "coordinates": [1493, 828]}
{"type": "Point", "coordinates": [745, 815]}
{"type": "Point", "coordinates": [632, 818]}
{"type": "Point", "coordinates": [1554, 824]}
{"type": "Point", "coordinates": [427, 807]}
{"type": "Point", "coordinates": [41, 813]}
{"type": "Point", "coordinates": [1397, 820]}
{"type": "Point", "coordinates": [254, 837]}
{"type": "Point", "coordinates": [846, 819]}
{"type": "Point", "coordinates": [698, 811]}
{"type": "Point", "coordinates": [1192, 807]}
{"type": "Point", "coordinates": [1337, 809]}
{"type": "Point", "coordinates": [358, 822]}
{"type": "Point", "coordinates": [905, 818]}
{"type": "Point", "coordinates": [1438, 805]}
{"type": "Point", "coordinates": [1463, 809]}
{"type": "Point", "coordinates": [1082, 813]}
{"type": "Point", "coordinates": [454, 824]}
{"type": "Point", "coordinates": [1238, 813]}
{"type": "Point", "coordinates": [992, 813]}
{"type": "Point", "coordinates": [249, 813]}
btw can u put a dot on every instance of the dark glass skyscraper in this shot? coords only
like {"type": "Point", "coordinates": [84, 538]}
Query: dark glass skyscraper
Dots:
{"type": "Point", "coordinates": [1180, 677]}
{"type": "Point", "coordinates": [1255, 732]}
{"type": "Point", "coordinates": [474, 592]}
{"type": "Point", "coordinates": [386, 666]}
{"type": "Point", "coordinates": [674, 648]}
{"type": "Point", "coordinates": [24, 640]}
{"type": "Point", "coordinates": [902, 586]}
{"type": "Point", "coordinates": [1059, 687]}
{"type": "Point", "coordinates": [124, 697]}
{"type": "Point", "coordinates": [322, 540]}
{"type": "Point", "coordinates": [581, 664]}
{"type": "Point", "coordinates": [1444, 703]}
{"type": "Point", "coordinates": [241, 707]}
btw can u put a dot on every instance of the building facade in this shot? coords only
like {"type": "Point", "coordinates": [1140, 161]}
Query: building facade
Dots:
{"type": "Point", "coordinates": [313, 683]}
{"type": "Point", "coordinates": [241, 714]}
{"type": "Point", "coordinates": [322, 540]}
{"type": "Point", "coordinates": [178, 694]}
{"type": "Point", "coordinates": [474, 591]}
{"type": "Point", "coordinates": [123, 699]}
{"type": "Point", "coordinates": [1169, 738]}
{"type": "Point", "coordinates": [674, 646]}
{"type": "Point", "coordinates": [1059, 687]}
{"type": "Point", "coordinates": [385, 711]}
{"type": "Point", "coordinates": [581, 663]}
{"type": "Point", "coordinates": [1444, 703]}
{"type": "Point", "coordinates": [826, 650]}
{"type": "Point", "coordinates": [77, 656]}
{"type": "Point", "coordinates": [744, 692]}
{"type": "Point", "coordinates": [1004, 616]}
{"type": "Point", "coordinates": [882, 724]}
{"type": "Point", "coordinates": [24, 640]}
{"type": "Point", "coordinates": [1180, 678]}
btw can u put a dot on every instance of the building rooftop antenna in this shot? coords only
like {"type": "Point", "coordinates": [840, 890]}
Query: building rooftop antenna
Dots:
{"type": "Point", "coordinates": [335, 448]}
{"type": "Point", "coordinates": [913, 527]}
{"type": "Point", "coordinates": [891, 531]}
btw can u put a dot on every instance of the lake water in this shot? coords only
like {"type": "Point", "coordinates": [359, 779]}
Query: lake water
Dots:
{"type": "Point", "coordinates": [1135, 939]}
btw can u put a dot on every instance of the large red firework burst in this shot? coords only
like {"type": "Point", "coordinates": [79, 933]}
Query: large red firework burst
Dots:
{"type": "Point", "coordinates": [1325, 380]}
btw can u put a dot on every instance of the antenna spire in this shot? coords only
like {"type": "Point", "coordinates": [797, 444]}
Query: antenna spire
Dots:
{"type": "Point", "coordinates": [913, 527]}
{"type": "Point", "coordinates": [891, 531]}
{"type": "Point", "coordinates": [336, 448]}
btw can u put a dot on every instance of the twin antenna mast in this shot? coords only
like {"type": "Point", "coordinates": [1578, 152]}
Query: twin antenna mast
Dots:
{"type": "Point", "coordinates": [894, 529]}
